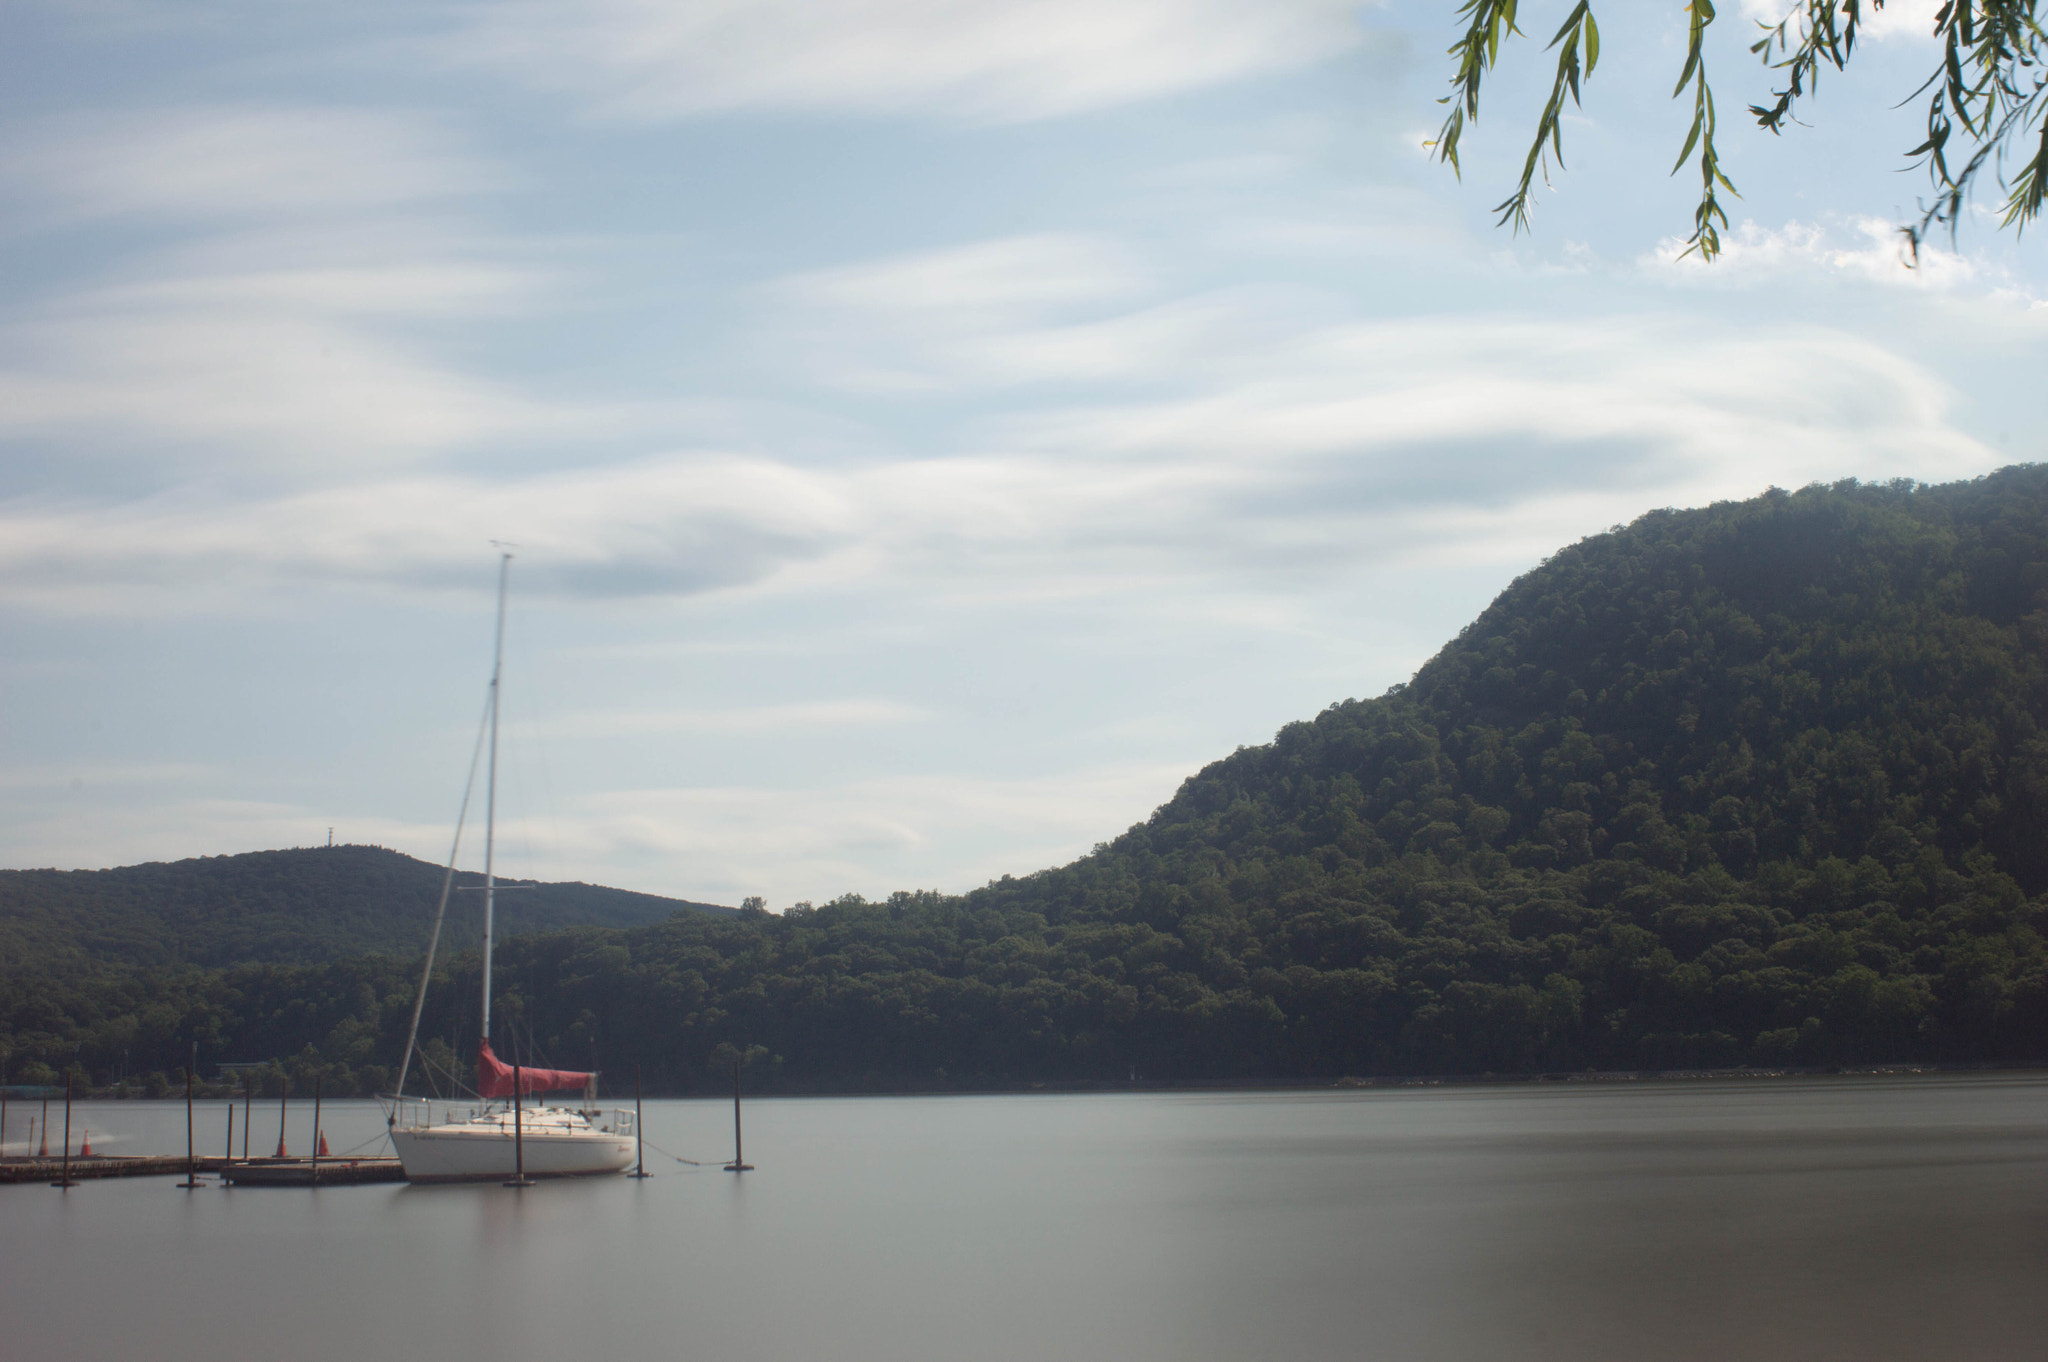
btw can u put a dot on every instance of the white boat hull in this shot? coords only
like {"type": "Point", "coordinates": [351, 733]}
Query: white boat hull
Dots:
{"type": "Point", "coordinates": [477, 1151]}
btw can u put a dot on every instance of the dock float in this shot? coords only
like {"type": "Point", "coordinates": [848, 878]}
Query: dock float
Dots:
{"type": "Point", "coordinates": [99, 1166]}
{"type": "Point", "coordinates": [290, 1172]}
{"type": "Point", "coordinates": [287, 1172]}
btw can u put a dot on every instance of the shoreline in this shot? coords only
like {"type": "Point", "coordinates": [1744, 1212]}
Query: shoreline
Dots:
{"type": "Point", "coordinates": [1052, 1087]}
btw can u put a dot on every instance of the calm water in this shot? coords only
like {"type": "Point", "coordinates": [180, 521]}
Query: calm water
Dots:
{"type": "Point", "coordinates": [1840, 1218]}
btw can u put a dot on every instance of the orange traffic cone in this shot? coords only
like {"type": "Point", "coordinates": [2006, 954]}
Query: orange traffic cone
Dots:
{"type": "Point", "coordinates": [85, 1145]}
{"type": "Point", "coordinates": [323, 1144]}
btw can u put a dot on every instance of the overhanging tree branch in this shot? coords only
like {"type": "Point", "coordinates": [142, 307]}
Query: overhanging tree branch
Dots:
{"type": "Point", "coordinates": [1987, 100]}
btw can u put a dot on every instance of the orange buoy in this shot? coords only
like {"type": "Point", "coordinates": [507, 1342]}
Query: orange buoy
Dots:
{"type": "Point", "coordinates": [85, 1145]}
{"type": "Point", "coordinates": [323, 1144]}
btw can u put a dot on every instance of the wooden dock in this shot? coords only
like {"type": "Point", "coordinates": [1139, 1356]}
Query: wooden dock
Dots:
{"type": "Point", "coordinates": [336, 1172]}
{"type": "Point", "coordinates": [98, 1166]}
{"type": "Point", "coordinates": [309, 1173]}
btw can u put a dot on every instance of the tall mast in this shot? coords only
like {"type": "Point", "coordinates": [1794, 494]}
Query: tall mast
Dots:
{"type": "Point", "coordinates": [491, 797]}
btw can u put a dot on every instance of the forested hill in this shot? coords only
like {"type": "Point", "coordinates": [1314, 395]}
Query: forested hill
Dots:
{"type": "Point", "coordinates": [302, 905]}
{"type": "Point", "coordinates": [1764, 782]}
{"type": "Point", "coordinates": [1761, 783]}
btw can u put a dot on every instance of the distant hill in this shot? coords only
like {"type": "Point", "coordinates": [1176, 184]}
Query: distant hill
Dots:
{"type": "Point", "coordinates": [1762, 783]}
{"type": "Point", "coordinates": [282, 907]}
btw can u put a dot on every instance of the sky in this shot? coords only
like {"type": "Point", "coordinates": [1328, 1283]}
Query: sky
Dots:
{"type": "Point", "coordinates": [930, 430]}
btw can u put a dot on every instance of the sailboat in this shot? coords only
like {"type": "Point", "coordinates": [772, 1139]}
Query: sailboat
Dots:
{"type": "Point", "coordinates": [501, 1135]}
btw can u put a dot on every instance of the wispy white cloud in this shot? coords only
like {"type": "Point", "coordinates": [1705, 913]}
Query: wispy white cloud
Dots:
{"type": "Point", "coordinates": [751, 720]}
{"type": "Point", "coordinates": [1268, 400]}
{"type": "Point", "coordinates": [98, 774]}
{"type": "Point", "coordinates": [1896, 19]}
{"type": "Point", "coordinates": [1001, 282]}
{"type": "Point", "coordinates": [676, 525]}
{"type": "Point", "coordinates": [996, 314]}
{"type": "Point", "coordinates": [1876, 252]}
{"type": "Point", "coordinates": [1327, 450]}
{"type": "Point", "coordinates": [982, 60]}
{"type": "Point", "coordinates": [712, 843]}
{"type": "Point", "coordinates": [1665, 385]}
{"type": "Point", "coordinates": [257, 323]}
{"type": "Point", "coordinates": [238, 163]}
{"type": "Point", "coordinates": [308, 279]}
{"type": "Point", "coordinates": [946, 831]}
{"type": "Point", "coordinates": [1272, 438]}
{"type": "Point", "coordinates": [285, 385]}
{"type": "Point", "coordinates": [296, 361]}
{"type": "Point", "coordinates": [1242, 431]}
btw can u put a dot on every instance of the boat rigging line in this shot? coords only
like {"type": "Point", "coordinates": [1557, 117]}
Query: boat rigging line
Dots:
{"type": "Point", "coordinates": [441, 909]}
{"type": "Point", "coordinates": [694, 1163]}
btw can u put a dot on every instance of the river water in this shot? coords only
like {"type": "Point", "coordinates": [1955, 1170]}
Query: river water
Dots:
{"type": "Point", "coordinates": [1848, 1218]}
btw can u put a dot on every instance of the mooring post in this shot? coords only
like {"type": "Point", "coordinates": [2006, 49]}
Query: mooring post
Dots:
{"type": "Point", "coordinates": [739, 1162]}
{"type": "Point", "coordinates": [284, 1086]}
{"type": "Point", "coordinates": [64, 1175]}
{"type": "Point", "coordinates": [639, 1129]}
{"type": "Point", "coordinates": [191, 1151]}
{"type": "Point", "coordinates": [519, 1178]}
{"type": "Point", "coordinates": [227, 1155]}
{"type": "Point", "coordinates": [43, 1150]}
{"type": "Point", "coordinates": [248, 1102]}
{"type": "Point", "coordinates": [313, 1169]}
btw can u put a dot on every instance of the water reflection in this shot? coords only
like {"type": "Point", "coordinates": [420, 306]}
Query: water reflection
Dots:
{"type": "Point", "coordinates": [1837, 1218]}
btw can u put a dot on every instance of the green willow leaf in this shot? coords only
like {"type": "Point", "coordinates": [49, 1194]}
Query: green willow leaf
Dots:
{"type": "Point", "coordinates": [1986, 98]}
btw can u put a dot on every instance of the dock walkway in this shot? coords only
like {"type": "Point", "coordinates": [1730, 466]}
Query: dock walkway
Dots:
{"type": "Point", "coordinates": [98, 1166]}
{"type": "Point", "coordinates": [288, 1172]}
{"type": "Point", "coordinates": [304, 1173]}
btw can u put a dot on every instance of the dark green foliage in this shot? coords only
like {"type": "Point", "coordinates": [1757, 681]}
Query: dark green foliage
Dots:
{"type": "Point", "coordinates": [313, 903]}
{"type": "Point", "coordinates": [256, 956]}
{"type": "Point", "coordinates": [1763, 783]}
{"type": "Point", "coordinates": [1986, 103]}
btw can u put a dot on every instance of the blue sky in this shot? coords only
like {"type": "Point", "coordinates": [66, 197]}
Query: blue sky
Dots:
{"type": "Point", "coordinates": [931, 429]}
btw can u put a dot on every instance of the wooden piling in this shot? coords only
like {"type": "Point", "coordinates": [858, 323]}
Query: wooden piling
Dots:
{"type": "Point", "coordinates": [519, 1178]}
{"type": "Point", "coordinates": [191, 1151]}
{"type": "Point", "coordinates": [64, 1178]}
{"type": "Point", "coordinates": [248, 1101]}
{"type": "Point", "coordinates": [739, 1162]}
{"type": "Point", "coordinates": [314, 1167]}
{"type": "Point", "coordinates": [284, 1087]}
{"type": "Point", "coordinates": [639, 1129]}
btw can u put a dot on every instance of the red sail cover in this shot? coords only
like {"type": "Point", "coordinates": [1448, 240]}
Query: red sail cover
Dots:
{"type": "Point", "coordinates": [494, 1076]}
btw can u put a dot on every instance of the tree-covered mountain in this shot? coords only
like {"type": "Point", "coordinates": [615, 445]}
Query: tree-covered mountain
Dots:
{"type": "Point", "coordinates": [1763, 782]}
{"type": "Point", "coordinates": [299, 906]}
{"type": "Point", "coordinates": [1759, 783]}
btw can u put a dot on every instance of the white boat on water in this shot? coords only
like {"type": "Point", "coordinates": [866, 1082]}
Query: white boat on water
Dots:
{"type": "Point", "coordinates": [558, 1143]}
{"type": "Point", "coordinates": [497, 1142]}
{"type": "Point", "coordinates": [500, 1135]}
